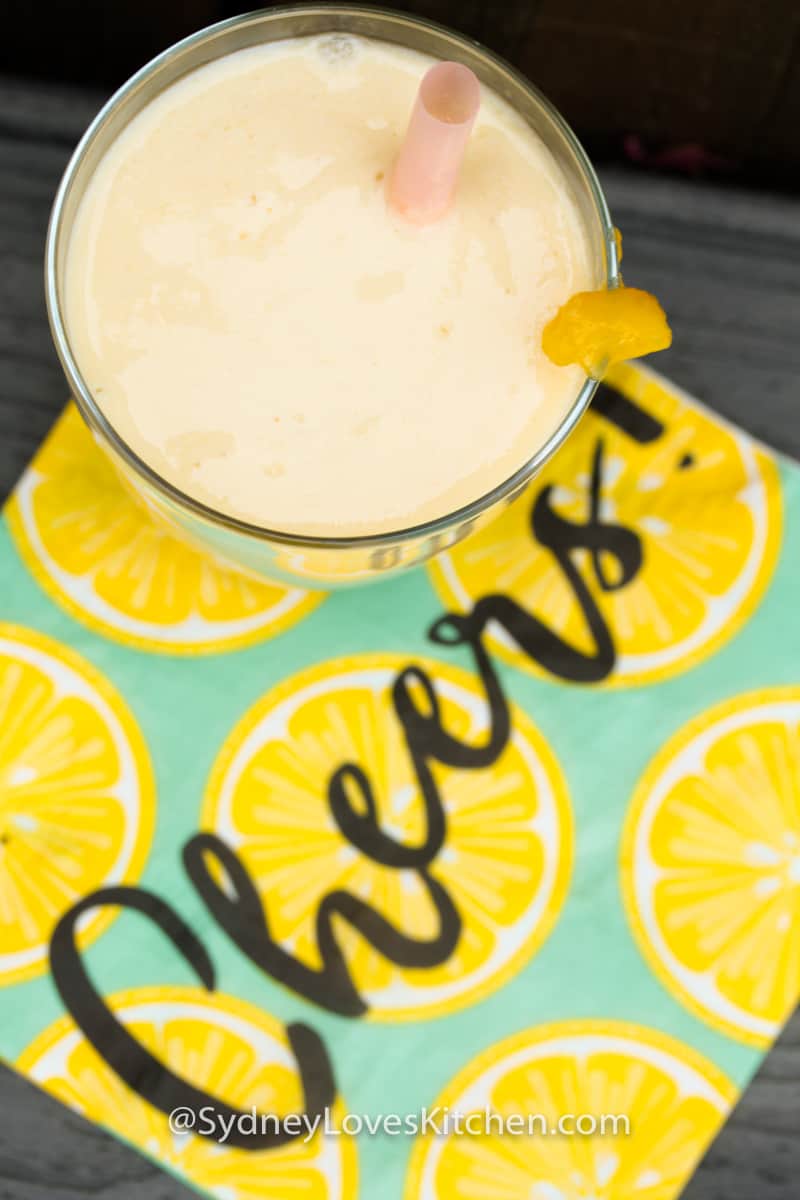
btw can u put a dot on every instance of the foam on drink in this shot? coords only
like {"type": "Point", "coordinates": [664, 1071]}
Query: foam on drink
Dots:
{"type": "Point", "coordinates": [263, 330]}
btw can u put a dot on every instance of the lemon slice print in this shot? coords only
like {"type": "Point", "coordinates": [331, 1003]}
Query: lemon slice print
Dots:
{"type": "Point", "coordinates": [229, 1049]}
{"type": "Point", "coordinates": [674, 1102]}
{"type": "Point", "coordinates": [711, 864]}
{"type": "Point", "coordinates": [704, 504]}
{"type": "Point", "coordinates": [505, 862]}
{"type": "Point", "coordinates": [102, 557]}
{"type": "Point", "coordinates": [76, 795]}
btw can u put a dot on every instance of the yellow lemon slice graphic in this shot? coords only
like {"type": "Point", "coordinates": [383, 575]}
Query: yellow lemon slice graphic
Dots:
{"type": "Point", "coordinates": [674, 1102]}
{"type": "Point", "coordinates": [711, 864]}
{"type": "Point", "coordinates": [76, 795]}
{"type": "Point", "coordinates": [505, 862]}
{"type": "Point", "coordinates": [227, 1048]}
{"type": "Point", "coordinates": [703, 502]}
{"type": "Point", "coordinates": [103, 558]}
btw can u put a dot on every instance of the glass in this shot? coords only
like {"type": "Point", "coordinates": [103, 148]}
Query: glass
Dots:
{"type": "Point", "coordinates": [315, 561]}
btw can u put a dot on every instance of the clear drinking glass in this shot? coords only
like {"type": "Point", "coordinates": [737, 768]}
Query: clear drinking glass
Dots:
{"type": "Point", "coordinates": [320, 562]}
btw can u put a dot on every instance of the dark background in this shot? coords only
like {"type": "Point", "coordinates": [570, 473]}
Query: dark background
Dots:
{"type": "Point", "coordinates": [700, 86]}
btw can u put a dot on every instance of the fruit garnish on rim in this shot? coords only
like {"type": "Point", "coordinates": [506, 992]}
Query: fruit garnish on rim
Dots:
{"type": "Point", "coordinates": [607, 326]}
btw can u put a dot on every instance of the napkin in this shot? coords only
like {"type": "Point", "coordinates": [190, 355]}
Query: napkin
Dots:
{"type": "Point", "coordinates": [479, 881]}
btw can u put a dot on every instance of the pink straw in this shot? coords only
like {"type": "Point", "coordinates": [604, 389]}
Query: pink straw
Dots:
{"type": "Point", "coordinates": [425, 175]}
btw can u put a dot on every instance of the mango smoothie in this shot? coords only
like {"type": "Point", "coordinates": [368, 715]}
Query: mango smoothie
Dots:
{"type": "Point", "coordinates": [265, 332]}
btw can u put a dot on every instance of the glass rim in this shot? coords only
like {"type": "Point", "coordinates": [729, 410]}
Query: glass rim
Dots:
{"type": "Point", "coordinates": [93, 413]}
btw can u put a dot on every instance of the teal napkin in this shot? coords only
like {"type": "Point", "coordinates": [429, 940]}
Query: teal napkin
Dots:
{"type": "Point", "coordinates": [483, 881]}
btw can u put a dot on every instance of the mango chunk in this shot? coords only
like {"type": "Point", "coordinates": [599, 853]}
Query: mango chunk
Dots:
{"type": "Point", "coordinates": [597, 329]}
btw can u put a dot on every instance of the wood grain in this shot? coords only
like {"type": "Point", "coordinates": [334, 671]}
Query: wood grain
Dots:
{"type": "Point", "coordinates": [725, 264]}
{"type": "Point", "coordinates": [723, 73]}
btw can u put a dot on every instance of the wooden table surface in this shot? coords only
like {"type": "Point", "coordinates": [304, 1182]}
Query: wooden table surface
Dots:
{"type": "Point", "coordinates": [726, 265]}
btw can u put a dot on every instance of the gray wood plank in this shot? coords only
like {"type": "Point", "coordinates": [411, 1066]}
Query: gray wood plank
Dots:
{"type": "Point", "coordinates": [725, 264]}
{"type": "Point", "coordinates": [757, 1155]}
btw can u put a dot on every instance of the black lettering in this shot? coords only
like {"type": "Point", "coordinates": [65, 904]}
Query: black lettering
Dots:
{"type": "Point", "coordinates": [603, 540]}
{"type": "Point", "coordinates": [608, 543]}
{"type": "Point", "coordinates": [131, 1061]}
{"type": "Point", "coordinates": [357, 817]}
{"type": "Point", "coordinates": [238, 909]}
{"type": "Point", "coordinates": [628, 417]}
{"type": "Point", "coordinates": [455, 630]}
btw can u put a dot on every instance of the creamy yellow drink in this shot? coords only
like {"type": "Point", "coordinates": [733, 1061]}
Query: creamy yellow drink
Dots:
{"type": "Point", "coordinates": [266, 333]}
